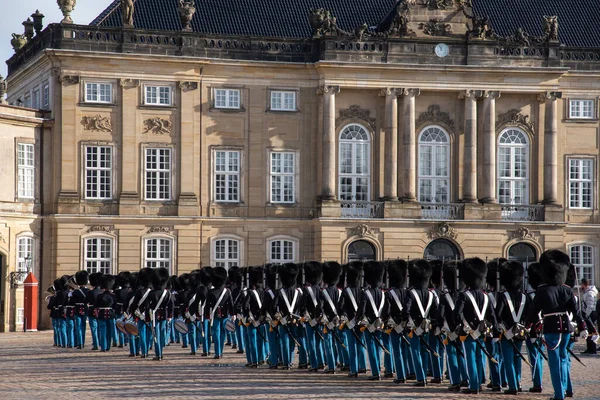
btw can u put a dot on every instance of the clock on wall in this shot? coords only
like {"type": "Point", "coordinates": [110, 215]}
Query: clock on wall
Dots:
{"type": "Point", "coordinates": [442, 50]}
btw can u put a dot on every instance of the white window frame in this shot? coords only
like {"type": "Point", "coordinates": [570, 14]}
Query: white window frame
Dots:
{"type": "Point", "coordinates": [98, 172]}
{"type": "Point", "coordinates": [25, 170]}
{"type": "Point", "coordinates": [279, 102]}
{"type": "Point", "coordinates": [227, 95]}
{"type": "Point", "coordinates": [20, 316]}
{"type": "Point", "coordinates": [157, 99]}
{"type": "Point", "coordinates": [580, 183]}
{"type": "Point", "coordinates": [35, 98]}
{"type": "Point", "coordinates": [96, 257]}
{"type": "Point", "coordinates": [577, 108]}
{"type": "Point", "coordinates": [97, 97]}
{"type": "Point", "coordinates": [160, 174]}
{"type": "Point", "coordinates": [222, 256]}
{"type": "Point", "coordinates": [46, 96]}
{"type": "Point", "coordinates": [226, 176]}
{"type": "Point", "coordinates": [512, 179]}
{"type": "Point", "coordinates": [158, 259]}
{"type": "Point", "coordinates": [284, 242]}
{"type": "Point", "coordinates": [280, 174]}
{"type": "Point", "coordinates": [435, 178]}
{"type": "Point", "coordinates": [354, 175]}
{"type": "Point", "coordinates": [26, 247]}
{"type": "Point", "coordinates": [580, 265]}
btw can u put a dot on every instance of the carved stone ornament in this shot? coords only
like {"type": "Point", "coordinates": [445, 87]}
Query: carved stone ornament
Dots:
{"type": "Point", "coordinates": [357, 113]}
{"type": "Point", "coordinates": [129, 83]}
{"type": "Point", "coordinates": [127, 8]}
{"type": "Point", "coordinates": [435, 27]}
{"type": "Point", "coordinates": [96, 123]}
{"type": "Point", "coordinates": [158, 126]}
{"type": "Point", "coordinates": [326, 89]}
{"type": "Point", "coordinates": [362, 231]}
{"type": "Point", "coordinates": [399, 26]}
{"type": "Point", "coordinates": [549, 96]}
{"type": "Point", "coordinates": [187, 86]}
{"type": "Point", "coordinates": [433, 115]}
{"type": "Point", "coordinates": [68, 79]}
{"type": "Point", "coordinates": [442, 230]}
{"type": "Point", "coordinates": [66, 7]}
{"type": "Point", "coordinates": [514, 117]}
{"type": "Point", "coordinates": [522, 234]}
{"type": "Point", "coordinates": [18, 41]}
{"type": "Point", "coordinates": [160, 229]}
{"type": "Point", "coordinates": [2, 238]}
{"type": "Point", "coordinates": [550, 26]}
{"type": "Point", "coordinates": [438, 4]}
{"type": "Point", "coordinates": [323, 23]}
{"type": "Point", "coordinates": [186, 10]}
{"type": "Point", "coordinates": [101, 228]}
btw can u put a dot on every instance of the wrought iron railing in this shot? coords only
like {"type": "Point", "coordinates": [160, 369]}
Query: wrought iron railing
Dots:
{"type": "Point", "coordinates": [522, 213]}
{"type": "Point", "coordinates": [442, 211]}
{"type": "Point", "coordinates": [360, 209]}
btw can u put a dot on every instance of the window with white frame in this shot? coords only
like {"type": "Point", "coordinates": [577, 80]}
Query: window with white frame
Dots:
{"type": "Point", "coordinates": [283, 101]}
{"type": "Point", "coordinates": [283, 177]}
{"type": "Point", "coordinates": [36, 98]}
{"type": "Point", "coordinates": [582, 256]}
{"type": "Point", "coordinates": [27, 100]}
{"type": "Point", "coordinates": [98, 255]}
{"type": "Point", "coordinates": [581, 183]}
{"type": "Point", "coordinates": [159, 252]}
{"type": "Point", "coordinates": [25, 253]}
{"type": "Point", "coordinates": [355, 175]}
{"type": "Point", "coordinates": [281, 251]}
{"type": "Point", "coordinates": [20, 317]}
{"type": "Point", "coordinates": [25, 170]}
{"type": "Point", "coordinates": [583, 109]}
{"type": "Point", "coordinates": [98, 92]}
{"type": "Point", "coordinates": [98, 172]}
{"type": "Point", "coordinates": [227, 98]}
{"type": "Point", "coordinates": [513, 165]}
{"type": "Point", "coordinates": [434, 166]}
{"type": "Point", "coordinates": [46, 96]}
{"type": "Point", "coordinates": [158, 174]}
{"type": "Point", "coordinates": [158, 95]}
{"type": "Point", "coordinates": [227, 176]}
{"type": "Point", "coordinates": [226, 253]}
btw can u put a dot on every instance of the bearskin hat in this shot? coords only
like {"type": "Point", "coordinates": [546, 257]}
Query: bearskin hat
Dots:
{"type": "Point", "coordinates": [396, 270]}
{"type": "Point", "coordinates": [256, 276]}
{"type": "Point", "coordinates": [313, 272]}
{"type": "Point", "coordinates": [571, 280]}
{"type": "Point", "coordinates": [534, 275]}
{"type": "Point", "coordinates": [353, 273]}
{"type": "Point", "coordinates": [373, 271]}
{"type": "Point", "coordinates": [82, 277]}
{"type": "Point", "coordinates": [492, 269]}
{"type": "Point", "coordinates": [95, 279]}
{"type": "Point", "coordinates": [473, 272]}
{"type": "Point", "coordinates": [235, 276]}
{"type": "Point", "coordinates": [205, 276]}
{"type": "Point", "coordinates": [125, 277]}
{"type": "Point", "coordinates": [436, 272]}
{"type": "Point", "coordinates": [144, 277]}
{"type": "Point", "coordinates": [133, 280]}
{"type": "Point", "coordinates": [554, 267]}
{"type": "Point", "coordinates": [161, 278]}
{"type": "Point", "coordinates": [59, 285]}
{"type": "Point", "coordinates": [451, 269]}
{"type": "Point", "coordinates": [511, 275]}
{"type": "Point", "coordinates": [288, 273]}
{"type": "Point", "coordinates": [183, 281]}
{"type": "Point", "coordinates": [419, 273]}
{"type": "Point", "coordinates": [108, 282]}
{"type": "Point", "coordinates": [174, 283]}
{"type": "Point", "coordinates": [331, 273]}
{"type": "Point", "coordinates": [219, 277]}
{"type": "Point", "coordinates": [300, 276]}
{"type": "Point", "coordinates": [271, 276]}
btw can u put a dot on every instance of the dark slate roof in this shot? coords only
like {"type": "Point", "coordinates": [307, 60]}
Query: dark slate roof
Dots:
{"type": "Point", "coordinates": [579, 20]}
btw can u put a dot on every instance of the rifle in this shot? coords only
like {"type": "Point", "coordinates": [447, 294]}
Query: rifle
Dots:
{"type": "Point", "coordinates": [487, 353]}
{"type": "Point", "coordinates": [539, 347]}
{"type": "Point", "coordinates": [516, 350]}
{"type": "Point", "coordinates": [358, 339]}
{"type": "Point", "coordinates": [287, 330]}
{"type": "Point", "coordinates": [428, 347]}
{"type": "Point", "coordinates": [378, 342]}
{"type": "Point", "coordinates": [335, 336]}
{"type": "Point", "coordinates": [575, 357]}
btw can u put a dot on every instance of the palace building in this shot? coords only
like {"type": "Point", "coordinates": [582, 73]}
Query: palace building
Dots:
{"type": "Point", "coordinates": [227, 132]}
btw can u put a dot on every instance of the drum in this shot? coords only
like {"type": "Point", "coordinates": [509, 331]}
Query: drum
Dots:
{"type": "Point", "coordinates": [120, 324]}
{"type": "Point", "coordinates": [131, 327]}
{"type": "Point", "coordinates": [230, 326]}
{"type": "Point", "coordinates": [181, 326]}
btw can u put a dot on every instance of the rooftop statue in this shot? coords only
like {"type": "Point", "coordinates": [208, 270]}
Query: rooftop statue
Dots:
{"type": "Point", "coordinates": [186, 10]}
{"type": "Point", "coordinates": [127, 10]}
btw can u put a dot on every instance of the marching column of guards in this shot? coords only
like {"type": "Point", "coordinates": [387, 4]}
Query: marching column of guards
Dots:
{"type": "Point", "coordinates": [410, 320]}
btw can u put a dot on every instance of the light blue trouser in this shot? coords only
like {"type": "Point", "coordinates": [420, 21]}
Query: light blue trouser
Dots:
{"type": "Point", "coordinates": [510, 359]}
{"type": "Point", "coordinates": [558, 361]}
{"type": "Point", "coordinates": [207, 336]}
{"type": "Point", "coordinates": [94, 331]}
{"type": "Point", "coordinates": [191, 337]}
{"type": "Point", "coordinates": [239, 334]}
{"type": "Point", "coordinates": [396, 350]}
{"type": "Point", "coordinates": [70, 328]}
{"type": "Point", "coordinates": [287, 346]}
{"type": "Point", "coordinates": [273, 346]}
{"type": "Point", "coordinates": [388, 362]}
{"type": "Point", "coordinates": [496, 370]}
{"type": "Point", "coordinates": [437, 363]}
{"type": "Point", "coordinates": [252, 348]}
{"type": "Point", "coordinates": [417, 356]}
{"type": "Point", "coordinates": [313, 343]}
{"type": "Point", "coordinates": [144, 334]}
{"type": "Point", "coordinates": [134, 345]}
{"type": "Point", "coordinates": [473, 361]}
{"type": "Point", "coordinates": [328, 350]}
{"type": "Point", "coordinates": [452, 360]}
{"type": "Point", "coordinates": [55, 330]}
{"type": "Point", "coordinates": [408, 364]}
{"type": "Point", "coordinates": [160, 329]}
{"type": "Point", "coordinates": [537, 363]}
{"type": "Point", "coordinates": [299, 333]}
{"type": "Point", "coordinates": [218, 334]}
{"type": "Point", "coordinates": [353, 349]}
{"type": "Point", "coordinates": [80, 325]}
{"type": "Point", "coordinates": [105, 333]}
{"type": "Point", "coordinates": [62, 331]}
{"type": "Point", "coordinates": [374, 352]}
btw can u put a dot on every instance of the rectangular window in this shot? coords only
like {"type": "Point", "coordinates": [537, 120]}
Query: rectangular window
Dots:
{"type": "Point", "coordinates": [583, 109]}
{"type": "Point", "coordinates": [28, 100]}
{"type": "Point", "coordinates": [227, 253]}
{"type": "Point", "coordinates": [227, 98]}
{"type": "Point", "coordinates": [581, 183]}
{"type": "Point", "coordinates": [282, 251]}
{"type": "Point", "coordinates": [582, 257]}
{"type": "Point", "coordinates": [158, 253]}
{"type": "Point", "coordinates": [98, 255]}
{"type": "Point", "coordinates": [25, 170]}
{"type": "Point", "coordinates": [36, 99]}
{"type": "Point", "coordinates": [158, 95]}
{"type": "Point", "coordinates": [283, 101]}
{"type": "Point", "coordinates": [20, 317]}
{"type": "Point", "coordinates": [158, 174]}
{"type": "Point", "coordinates": [227, 176]}
{"type": "Point", "coordinates": [24, 254]}
{"type": "Point", "coordinates": [282, 177]}
{"type": "Point", "coordinates": [98, 172]}
{"type": "Point", "coordinates": [46, 96]}
{"type": "Point", "coordinates": [98, 92]}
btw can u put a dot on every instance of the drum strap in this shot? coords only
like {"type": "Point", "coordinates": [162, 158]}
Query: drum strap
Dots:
{"type": "Point", "coordinates": [218, 303]}
{"type": "Point", "coordinates": [450, 301]}
{"type": "Point", "coordinates": [192, 300]}
{"type": "Point", "coordinates": [257, 298]}
{"type": "Point", "coordinates": [271, 293]}
{"type": "Point", "coordinates": [396, 299]}
{"type": "Point", "coordinates": [162, 297]}
{"type": "Point", "coordinates": [312, 296]}
{"type": "Point", "coordinates": [516, 316]}
{"type": "Point", "coordinates": [144, 297]}
{"type": "Point", "coordinates": [352, 299]}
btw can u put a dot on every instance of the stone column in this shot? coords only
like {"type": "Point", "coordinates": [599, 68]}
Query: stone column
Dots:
{"type": "Point", "coordinates": [551, 148]}
{"type": "Point", "coordinates": [329, 186]}
{"type": "Point", "coordinates": [187, 160]}
{"type": "Point", "coordinates": [391, 144]}
{"type": "Point", "coordinates": [489, 146]}
{"type": "Point", "coordinates": [410, 144]}
{"type": "Point", "coordinates": [470, 159]}
{"type": "Point", "coordinates": [129, 153]}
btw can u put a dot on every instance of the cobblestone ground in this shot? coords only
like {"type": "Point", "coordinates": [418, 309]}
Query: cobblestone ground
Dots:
{"type": "Point", "coordinates": [31, 368]}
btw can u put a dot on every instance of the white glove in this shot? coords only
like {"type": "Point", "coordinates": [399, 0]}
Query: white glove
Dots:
{"type": "Point", "coordinates": [495, 340]}
{"type": "Point", "coordinates": [595, 338]}
{"type": "Point", "coordinates": [583, 334]}
{"type": "Point", "coordinates": [532, 340]}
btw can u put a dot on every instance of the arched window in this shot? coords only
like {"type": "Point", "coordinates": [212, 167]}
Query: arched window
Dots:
{"type": "Point", "coordinates": [226, 252]}
{"type": "Point", "coordinates": [355, 176]}
{"type": "Point", "coordinates": [158, 253]}
{"type": "Point", "coordinates": [582, 256]}
{"type": "Point", "coordinates": [98, 254]}
{"type": "Point", "coordinates": [361, 250]}
{"type": "Point", "coordinates": [513, 167]}
{"type": "Point", "coordinates": [281, 250]}
{"type": "Point", "coordinates": [441, 249]}
{"type": "Point", "coordinates": [434, 165]}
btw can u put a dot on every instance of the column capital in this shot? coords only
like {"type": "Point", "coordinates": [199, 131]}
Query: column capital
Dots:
{"type": "Point", "coordinates": [489, 94]}
{"type": "Point", "coordinates": [549, 96]}
{"type": "Point", "coordinates": [409, 92]}
{"type": "Point", "coordinates": [390, 92]}
{"type": "Point", "coordinates": [327, 89]}
{"type": "Point", "coordinates": [469, 93]}
{"type": "Point", "coordinates": [187, 86]}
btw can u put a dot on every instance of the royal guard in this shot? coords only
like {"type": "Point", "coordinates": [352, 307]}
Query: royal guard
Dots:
{"type": "Point", "coordinates": [493, 291]}
{"type": "Point", "coordinates": [105, 312]}
{"type": "Point", "coordinates": [535, 346]}
{"type": "Point", "coordinates": [299, 327]}
{"type": "Point", "coordinates": [475, 318]}
{"type": "Point", "coordinates": [396, 300]}
{"type": "Point", "coordinates": [57, 306]}
{"type": "Point", "coordinates": [352, 297]}
{"type": "Point", "coordinates": [70, 309]}
{"type": "Point", "coordinates": [235, 285]}
{"type": "Point", "coordinates": [78, 298]}
{"type": "Point", "coordinates": [188, 307]}
{"type": "Point", "coordinates": [158, 306]}
{"type": "Point", "coordinates": [50, 301]}
{"type": "Point", "coordinates": [92, 295]}
{"type": "Point", "coordinates": [219, 306]}
{"type": "Point", "coordinates": [205, 278]}
{"type": "Point", "coordinates": [268, 312]}
{"type": "Point", "coordinates": [183, 281]}
{"type": "Point", "coordinates": [174, 335]}
{"type": "Point", "coordinates": [286, 304]}
{"type": "Point", "coordinates": [436, 364]}
{"type": "Point", "coordinates": [310, 310]}
{"type": "Point", "coordinates": [251, 311]}
{"type": "Point", "coordinates": [138, 308]}
{"type": "Point", "coordinates": [121, 293]}
{"type": "Point", "coordinates": [329, 299]}
{"type": "Point", "coordinates": [134, 340]}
